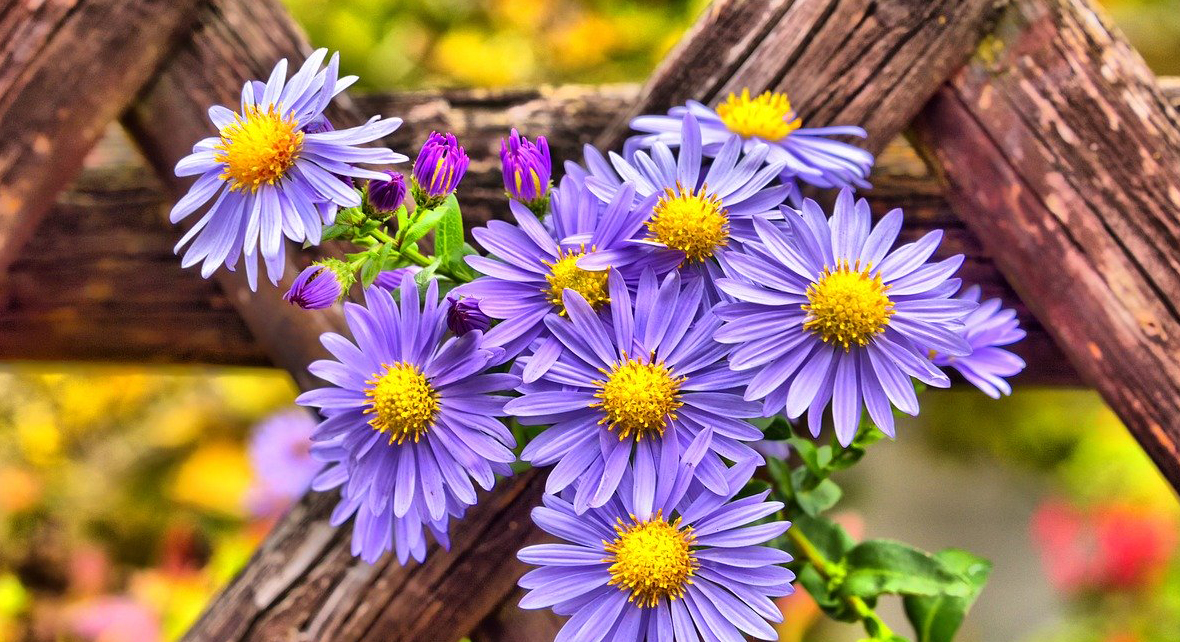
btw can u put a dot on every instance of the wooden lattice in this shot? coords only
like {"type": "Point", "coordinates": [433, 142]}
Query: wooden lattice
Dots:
{"type": "Point", "coordinates": [1054, 160]}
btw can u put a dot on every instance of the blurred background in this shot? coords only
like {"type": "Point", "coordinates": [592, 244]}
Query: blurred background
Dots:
{"type": "Point", "coordinates": [128, 495]}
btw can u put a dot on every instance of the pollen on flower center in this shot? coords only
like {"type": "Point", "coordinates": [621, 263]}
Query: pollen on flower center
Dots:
{"type": "Point", "coordinates": [848, 305]}
{"type": "Point", "coordinates": [564, 273]}
{"type": "Point", "coordinates": [258, 148]}
{"type": "Point", "coordinates": [651, 559]}
{"type": "Point", "coordinates": [402, 402]}
{"type": "Point", "coordinates": [693, 222]}
{"type": "Point", "coordinates": [638, 396]}
{"type": "Point", "coordinates": [769, 116]}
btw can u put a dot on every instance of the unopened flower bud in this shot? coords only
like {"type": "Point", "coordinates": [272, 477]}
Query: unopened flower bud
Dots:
{"type": "Point", "coordinates": [384, 197]}
{"type": "Point", "coordinates": [464, 315]}
{"type": "Point", "coordinates": [438, 169]}
{"type": "Point", "coordinates": [527, 169]}
{"type": "Point", "coordinates": [320, 285]}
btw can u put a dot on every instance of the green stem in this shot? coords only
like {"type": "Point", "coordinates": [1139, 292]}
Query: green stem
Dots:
{"type": "Point", "coordinates": [824, 566]}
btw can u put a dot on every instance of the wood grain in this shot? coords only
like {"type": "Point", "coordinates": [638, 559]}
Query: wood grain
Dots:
{"type": "Point", "coordinates": [1062, 155]}
{"type": "Point", "coordinates": [872, 63]}
{"type": "Point", "coordinates": [67, 68]}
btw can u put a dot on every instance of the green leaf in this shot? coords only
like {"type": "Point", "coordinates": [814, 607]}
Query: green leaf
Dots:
{"type": "Point", "coordinates": [334, 231]}
{"type": "Point", "coordinates": [780, 473]}
{"type": "Point", "coordinates": [877, 567]}
{"type": "Point", "coordinates": [819, 499]}
{"type": "Point", "coordinates": [369, 272]}
{"type": "Point", "coordinates": [777, 429]}
{"type": "Point", "coordinates": [827, 536]}
{"type": "Point", "coordinates": [425, 222]}
{"type": "Point", "coordinates": [422, 277]}
{"type": "Point", "coordinates": [937, 618]}
{"type": "Point", "coordinates": [448, 237]}
{"type": "Point", "coordinates": [829, 602]}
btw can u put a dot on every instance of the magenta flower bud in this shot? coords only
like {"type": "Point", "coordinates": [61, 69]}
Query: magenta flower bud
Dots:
{"type": "Point", "coordinates": [387, 195]}
{"type": "Point", "coordinates": [464, 315]}
{"type": "Point", "coordinates": [320, 285]}
{"type": "Point", "coordinates": [438, 169]}
{"type": "Point", "coordinates": [527, 168]}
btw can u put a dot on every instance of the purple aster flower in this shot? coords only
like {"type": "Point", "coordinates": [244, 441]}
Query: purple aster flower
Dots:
{"type": "Point", "coordinates": [648, 379]}
{"type": "Point", "coordinates": [409, 421]}
{"type": "Point", "coordinates": [274, 170]}
{"type": "Point", "coordinates": [699, 209]}
{"type": "Point", "coordinates": [438, 169]}
{"type": "Point", "coordinates": [528, 271]}
{"type": "Point", "coordinates": [527, 169]}
{"type": "Point", "coordinates": [986, 329]}
{"type": "Point", "coordinates": [663, 560]}
{"type": "Point", "coordinates": [280, 456]}
{"type": "Point", "coordinates": [388, 194]}
{"type": "Point", "coordinates": [464, 315]}
{"type": "Point", "coordinates": [825, 312]}
{"type": "Point", "coordinates": [320, 285]}
{"type": "Point", "coordinates": [806, 154]}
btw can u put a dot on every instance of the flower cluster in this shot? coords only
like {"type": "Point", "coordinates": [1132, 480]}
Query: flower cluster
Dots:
{"type": "Point", "coordinates": [640, 325]}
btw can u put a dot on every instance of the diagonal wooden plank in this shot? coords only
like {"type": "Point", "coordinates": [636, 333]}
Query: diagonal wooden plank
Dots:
{"type": "Point", "coordinates": [292, 587]}
{"type": "Point", "coordinates": [1062, 154]}
{"type": "Point", "coordinates": [67, 69]}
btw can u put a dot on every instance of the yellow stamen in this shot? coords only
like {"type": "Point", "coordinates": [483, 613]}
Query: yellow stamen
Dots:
{"type": "Point", "coordinates": [769, 116]}
{"type": "Point", "coordinates": [693, 222]}
{"type": "Point", "coordinates": [258, 148]}
{"type": "Point", "coordinates": [402, 402]}
{"type": "Point", "coordinates": [565, 273]}
{"type": "Point", "coordinates": [638, 397]}
{"type": "Point", "coordinates": [848, 305]}
{"type": "Point", "coordinates": [651, 559]}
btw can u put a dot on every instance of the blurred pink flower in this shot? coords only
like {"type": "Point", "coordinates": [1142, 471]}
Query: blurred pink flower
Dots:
{"type": "Point", "coordinates": [1109, 547]}
{"type": "Point", "coordinates": [114, 619]}
{"type": "Point", "coordinates": [281, 459]}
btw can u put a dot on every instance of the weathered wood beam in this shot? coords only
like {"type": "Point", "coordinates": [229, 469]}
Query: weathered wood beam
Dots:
{"type": "Point", "coordinates": [67, 69]}
{"type": "Point", "coordinates": [1062, 155]}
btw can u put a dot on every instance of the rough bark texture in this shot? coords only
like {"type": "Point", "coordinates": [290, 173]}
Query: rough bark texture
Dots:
{"type": "Point", "coordinates": [872, 63]}
{"type": "Point", "coordinates": [1063, 156]}
{"type": "Point", "coordinates": [67, 68]}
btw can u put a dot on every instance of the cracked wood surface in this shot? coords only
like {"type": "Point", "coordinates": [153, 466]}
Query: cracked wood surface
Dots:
{"type": "Point", "coordinates": [67, 68]}
{"type": "Point", "coordinates": [1062, 155]}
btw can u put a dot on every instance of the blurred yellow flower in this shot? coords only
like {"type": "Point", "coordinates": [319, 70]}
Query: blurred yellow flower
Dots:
{"type": "Point", "coordinates": [472, 58]}
{"type": "Point", "coordinates": [254, 393]}
{"type": "Point", "coordinates": [585, 42]}
{"type": "Point", "coordinates": [214, 478]}
{"type": "Point", "coordinates": [37, 432]}
{"type": "Point", "coordinates": [21, 489]}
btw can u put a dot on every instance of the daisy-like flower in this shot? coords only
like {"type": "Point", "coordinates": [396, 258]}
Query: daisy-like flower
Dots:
{"type": "Point", "coordinates": [987, 329]}
{"type": "Point", "coordinates": [825, 312]}
{"type": "Point", "coordinates": [275, 169]}
{"type": "Point", "coordinates": [633, 389]}
{"type": "Point", "coordinates": [699, 209]}
{"type": "Point", "coordinates": [806, 153]}
{"type": "Point", "coordinates": [409, 421]}
{"type": "Point", "coordinates": [529, 270]}
{"type": "Point", "coordinates": [663, 560]}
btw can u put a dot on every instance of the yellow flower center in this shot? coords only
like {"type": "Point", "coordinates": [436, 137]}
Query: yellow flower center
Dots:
{"type": "Point", "coordinates": [565, 273]}
{"type": "Point", "coordinates": [651, 559]}
{"type": "Point", "coordinates": [768, 116]}
{"type": "Point", "coordinates": [693, 222]}
{"type": "Point", "coordinates": [402, 402]}
{"type": "Point", "coordinates": [638, 397]}
{"type": "Point", "coordinates": [848, 305]}
{"type": "Point", "coordinates": [258, 148]}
